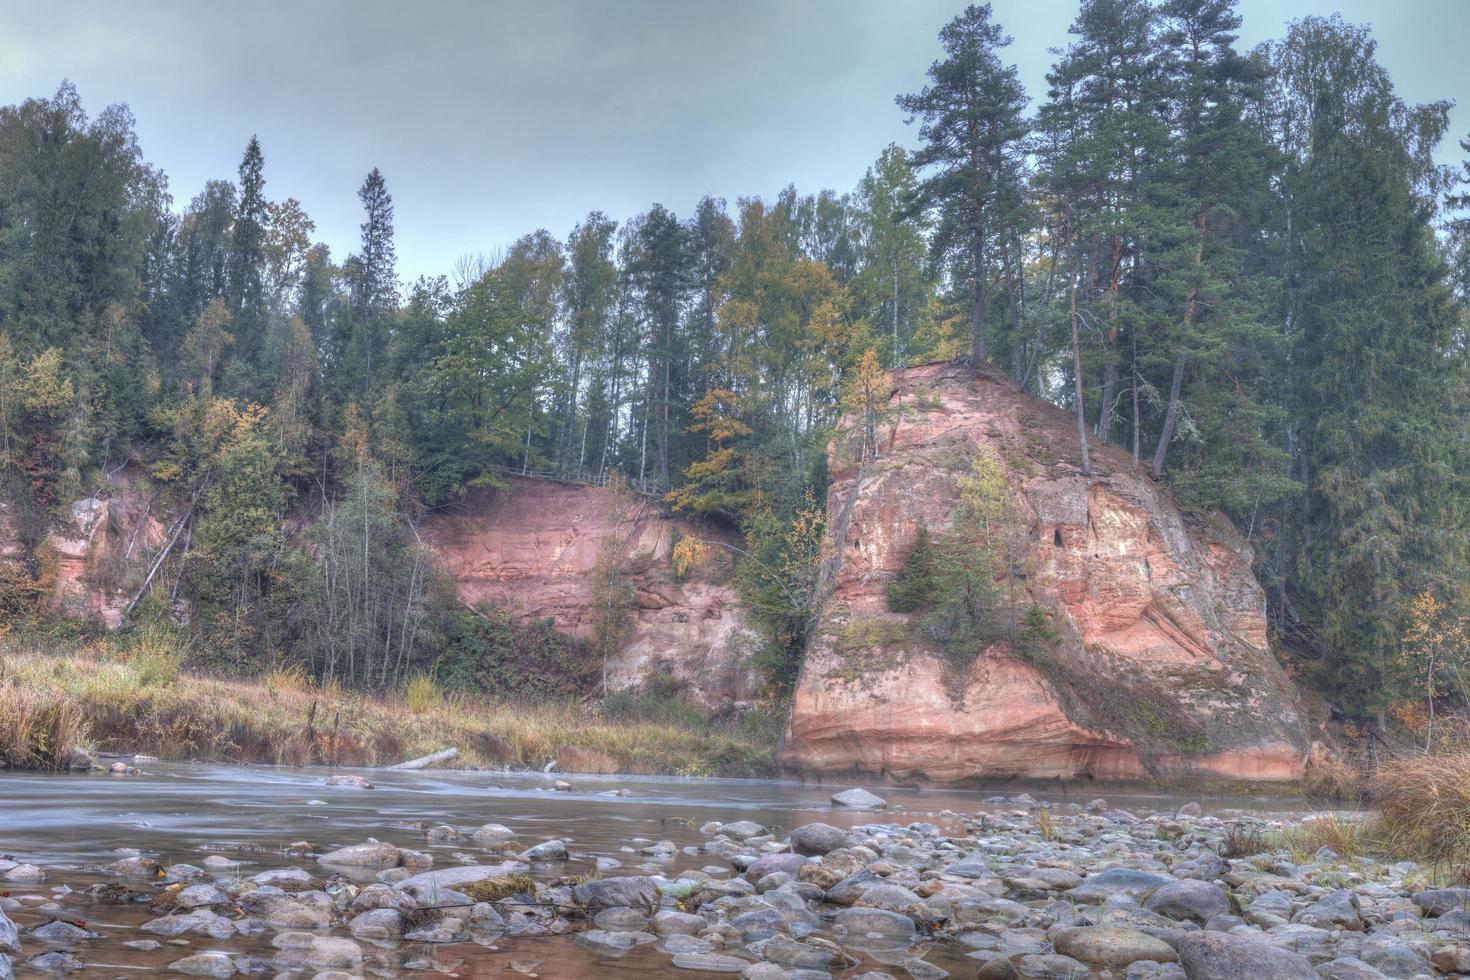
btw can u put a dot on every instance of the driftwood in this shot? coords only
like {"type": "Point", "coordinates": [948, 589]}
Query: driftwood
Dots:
{"type": "Point", "coordinates": [428, 760]}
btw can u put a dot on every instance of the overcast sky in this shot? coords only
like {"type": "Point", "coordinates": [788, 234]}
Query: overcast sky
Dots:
{"type": "Point", "coordinates": [491, 119]}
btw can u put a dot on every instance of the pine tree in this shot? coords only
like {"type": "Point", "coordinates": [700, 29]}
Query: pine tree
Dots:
{"type": "Point", "coordinates": [972, 131]}
{"type": "Point", "coordinates": [245, 298]}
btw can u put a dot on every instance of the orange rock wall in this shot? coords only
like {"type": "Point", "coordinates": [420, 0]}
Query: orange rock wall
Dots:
{"type": "Point", "coordinates": [532, 548]}
{"type": "Point", "coordinates": [1135, 593]}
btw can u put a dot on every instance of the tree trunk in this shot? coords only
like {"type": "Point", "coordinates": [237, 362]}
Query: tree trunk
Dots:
{"type": "Point", "coordinates": [1171, 414]}
{"type": "Point", "coordinates": [977, 312]}
{"type": "Point", "coordinates": [1110, 370]}
{"type": "Point", "coordinates": [1077, 378]}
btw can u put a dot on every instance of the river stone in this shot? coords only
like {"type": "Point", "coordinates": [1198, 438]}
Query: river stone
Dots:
{"type": "Point", "coordinates": [789, 863]}
{"type": "Point", "coordinates": [283, 876]}
{"type": "Point", "coordinates": [350, 780]}
{"type": "Point", "coordinates": [6, 971]}
{"type": "Point", "coordinates": [1230, 956]}
{"type": "Point", "coordinates": [970, 867]}
{"type": "Point", "coordinates": [1350, 968]}
{"type": "Point", "coordinates": [333, 951]}
{"type": "Point", "coordinates": [635, 892]}
{"type": "Point", "coordinates": [788, 952]}
{"type": "Point", "coordinates": [1335, 910]}
{"type": "Point", "coordinates": [55, 962]}
{"type": "Point", "coordinates": [758, 924]}
{"type": "Point", "coordinates": [616, 919]}
{"type": "Point", "coordinates": [611, 940]}
{"type": "Point", "coordinates": [57, 931]}
{"type": "Point", "coordinates": [818, 838]}
{"type": "Point", "coordinates": [1189, 898]}
{"type": "Point", "coordinates": [1049, 966]}
{"type": "Point", "coordinates": [858, 799]}
{"type": "Point", "coordinates": [742, 829]}
{"type": "Point", "coordinates": [198, 895]}
{"type": "Point", "coordinates": [493, 833]}
{"type": "Point", "coordinates": [463, 875]}
{"type": "Point", "coordinates": [671, 923]}
{"type": "Point", "coordinates": [1112, 945]}
{"type": "Point", "coordinates": [205, 965]}
{"type": "Point", "coordinates": [1117, 881]}
{"type": "Point", "coordinates": [377, 924]}
{"type": "Point", "coordinates": [445, 930]}
{"type": "Point", "coordinates": [1452, 958]}
{"type": "Point", "coordinates": [374, 854]}
{"type": "Point", "coordinates": [711, 962]}
{"type": "Point", "coordinates": [140, 867]}
{"type": "Point", "coordinates": [857, 925]}
{"type": "Point", "coordinates": [27, 873]}
{"type": "Point", "coordinates": [1438, 901]}
{"type": "Point", "coordinates": [551, 850]}
{"type": "Point", "coordinates": [9, 939]}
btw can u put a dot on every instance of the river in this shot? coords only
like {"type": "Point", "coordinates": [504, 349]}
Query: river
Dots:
{"type": "Point", "coordinates": [70, 824]}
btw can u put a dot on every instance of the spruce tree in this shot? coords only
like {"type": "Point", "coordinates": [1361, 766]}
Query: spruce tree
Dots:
{"type": "Point", "coordinates": [971, 130]}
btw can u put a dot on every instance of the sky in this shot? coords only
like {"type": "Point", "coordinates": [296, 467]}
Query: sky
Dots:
{"type": "Point", "coordinates": [491, 118]}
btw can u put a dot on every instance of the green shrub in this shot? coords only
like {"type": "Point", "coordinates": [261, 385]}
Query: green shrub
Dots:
{"type": "Point", "coordinates": [913, 588]}
{"type": "Point", "coordinates": [491, 653]}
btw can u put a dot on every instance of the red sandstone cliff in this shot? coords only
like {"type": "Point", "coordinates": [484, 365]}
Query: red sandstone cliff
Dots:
{"type": "Point", "coordinates": [532, 548]}
{"type": "Point", "coordinates": [1161, 624]}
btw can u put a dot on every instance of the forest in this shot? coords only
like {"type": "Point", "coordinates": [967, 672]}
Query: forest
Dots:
{"type": "Point", "coordinates": [1246, 268]}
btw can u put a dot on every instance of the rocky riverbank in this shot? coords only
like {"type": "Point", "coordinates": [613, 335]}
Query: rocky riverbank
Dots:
{"type": "Point", "coordinates": [1016, 888]}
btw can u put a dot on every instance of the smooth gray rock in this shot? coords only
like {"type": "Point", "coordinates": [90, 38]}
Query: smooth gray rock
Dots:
{"type": "Point", "coordinates": [858, 799]}
{"type": "Point", "coordinates": [373, 854]}
{"type": "Point", "coordinates": [858, 926]}
{"type": "Point", "coordinates": [1231, 956]}
{"type": "Point", "coordinates": [635, 892]}
{"type": "Point", "coordinates": [1117, 881]}
{"type": "Point", "coordinates": [205, 965]}
{"type": "Point", "coordinates": [1189, 898]}
{"type": "Point", "coordinates": [551, 850]}
{"type": "Point", "coordinates": [9, 938]}
{"type": "Point", "coordinates": [712, 962]}
{"type": "Point", "coordinates": [818, 838]}
{"type": "Point", "coordinates": [1112, 946]}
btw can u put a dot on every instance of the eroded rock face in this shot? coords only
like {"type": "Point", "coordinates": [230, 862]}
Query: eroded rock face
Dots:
{"type": "Point", "coordinates": [1160, 662]}
{"type": "Point", "coordinates": [533, 547]}
{"type": "Point", "coordinates": [87, 564]}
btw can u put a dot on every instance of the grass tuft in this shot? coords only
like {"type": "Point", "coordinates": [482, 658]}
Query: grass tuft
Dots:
{"type": "Point", "coordinates": [1424, 805]}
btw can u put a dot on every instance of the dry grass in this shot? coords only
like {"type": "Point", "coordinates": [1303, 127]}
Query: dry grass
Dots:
{"type": "Point", "coordinates": [117, 703]}
{"type": "Point", "coordinates": [1349, 837]}
{"type": "Point", "coordinates": [1332, 780]}
{"type": "Point", "coordinates": [495, 889]}
{"type": "Point", "coordinates": [1424, 805]}
{"type": "Point", "coordinates": [37, 729]}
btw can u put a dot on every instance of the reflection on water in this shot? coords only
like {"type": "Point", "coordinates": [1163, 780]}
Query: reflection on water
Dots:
{"type": "Point", "coordinates": [180, 813]}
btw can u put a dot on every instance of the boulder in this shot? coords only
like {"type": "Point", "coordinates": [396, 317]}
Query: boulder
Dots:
{"type": "Point", "coordinates": [818, 839]}
{"type": "Point", "coordinates": [1231, 956]}
{"type": "Point", "coordinates": [1189, 898]}
{"type": "Point", "coordinates": [632, 892]}
{"type": "Point", "coordinates": [1113, 946]}
{"type": "Point", "coordinates": [373, 854]}
{"type": "Point", "coordinates": [858, 799]}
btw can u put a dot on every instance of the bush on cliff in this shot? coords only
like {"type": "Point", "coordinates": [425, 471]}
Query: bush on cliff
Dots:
{"type": "Point", "coordinates": [490, 653]}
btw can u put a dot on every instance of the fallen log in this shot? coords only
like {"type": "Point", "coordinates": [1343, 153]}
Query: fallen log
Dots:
{"type": "Point", "coordinates": [428, 760]}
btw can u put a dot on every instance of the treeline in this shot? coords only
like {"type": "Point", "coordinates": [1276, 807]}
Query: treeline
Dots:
{"type": "Point", "coordinates": [1243, 268]}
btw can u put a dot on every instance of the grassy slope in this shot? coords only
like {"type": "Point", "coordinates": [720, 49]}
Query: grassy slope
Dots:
{"type": "Point", "coordinates": [110, 703]}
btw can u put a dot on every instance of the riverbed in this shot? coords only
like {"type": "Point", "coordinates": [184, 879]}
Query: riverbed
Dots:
{"type": "Point", "coordinates": [245, 819]}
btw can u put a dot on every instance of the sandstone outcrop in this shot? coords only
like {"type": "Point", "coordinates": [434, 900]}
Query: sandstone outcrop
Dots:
{"type": "Point", "coordinates": [87, 564]}
{"type": "Point", "coordinates": [1159, 664]}
{"type": "Point", "coordinates": [532, 548]}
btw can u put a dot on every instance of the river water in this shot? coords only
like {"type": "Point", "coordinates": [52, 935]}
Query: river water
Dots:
{"type": "Point", "coordinates": [183, 813]}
